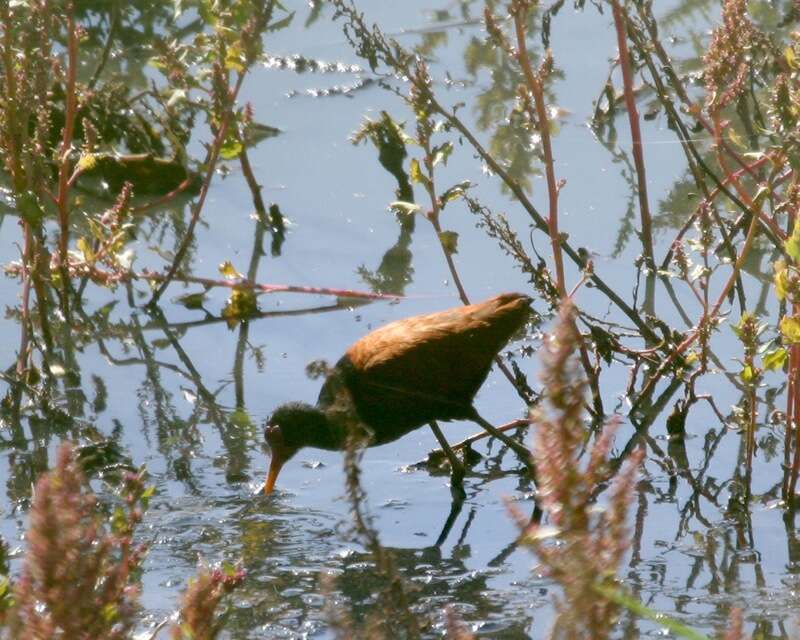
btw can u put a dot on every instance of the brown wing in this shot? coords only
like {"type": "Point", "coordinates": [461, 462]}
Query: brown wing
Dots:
{"type": "Point", "coordinates": [426, 363]}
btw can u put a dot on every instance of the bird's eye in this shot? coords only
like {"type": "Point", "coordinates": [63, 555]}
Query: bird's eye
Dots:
{"type": "Point", "coordinates": [271, 430]}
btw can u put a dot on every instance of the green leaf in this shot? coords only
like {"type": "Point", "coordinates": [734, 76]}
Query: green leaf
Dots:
{"type": "Point", "coordinates": [627, 600]}
{"type": "Point", "coordinates": [228, 271]}
{"type": "Point", "coordinates": [790, 329]}
{"type": "Point", "coordinates": [85, 247]}
{"type": "Point", "coordinates": [144, 498]}
{"type": "Point", "coordinates": [761, 194]}
{"type": "Point", "coordinates": [747, 374]}
{"type": "Point", "coordinates": [442, 153]}
{"type": "Point", "coordinates": [775, 359]}
{"type": "Point", "coordinates": [454, 193]}
{"type": "Point", "coordinates": [407, 208]}
{"type": "Point", "coordinates": [781, 279]}
{"type": "Point", "coordinates": [87, 162]}
{"type": "Point", "coordinates": [449, 240]}
{"type": "Point", "coordinates": [416, 172]}
{"type": "Point", "coordinates": [235, 59]}
{"type": "Point", "coordinates": [746, 319]}
{"type": "Point", "coordinates": [734, 137]}
{"type": "Point", "coordinates": [242, 304]}
{"type": "Point", "coordinates": [119, 521]}
{"type": "Point", "coordinates": [206, 10]}
{"type": "Point", "coordinates": [192, 300]}
{"type": "Point", "coordinates": [231, 147]}
{"type": "Point", "coordinates": [109, 612]}
{"type": "Point", "coordinates": [240, 418]}
{"type": "Point", "coordinates": [178, 95]}
{"type": "Point", "coordinates": [792, 244]}
{"type": "Point", "coordinates": [30, 209]}
{"type": "Point", "coordinates": [255, 132]}
{"type": "Point", "coordinates": [791, 58]}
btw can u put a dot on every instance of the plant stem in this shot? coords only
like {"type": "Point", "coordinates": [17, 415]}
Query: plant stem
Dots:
{"type": "Point", "coordinates": [211, 164]}
{"type": "Point", "coordinates": [534, 84]}
{"type": "Point", "coordinates": [636, 133]}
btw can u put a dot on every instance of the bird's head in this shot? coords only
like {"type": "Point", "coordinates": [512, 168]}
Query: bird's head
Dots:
{"type": "Point", "coordinates": [289, 429]}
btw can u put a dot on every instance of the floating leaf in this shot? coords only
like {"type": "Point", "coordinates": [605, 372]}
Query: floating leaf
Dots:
{"type": "Point", "coordinates": [242, 304]}
{"type": "Point", "coordinates": [229, 271]}
{"type": "Point", "coordinates": [449, 240]}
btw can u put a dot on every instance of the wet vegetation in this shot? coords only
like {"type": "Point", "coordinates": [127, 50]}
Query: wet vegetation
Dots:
{"type": "Point", "coordinates": [139, 142]}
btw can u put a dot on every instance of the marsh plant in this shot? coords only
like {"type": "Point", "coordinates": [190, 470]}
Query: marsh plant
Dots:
{"type": "Point", "coordinates": [98, 165]}
{"type": "Point", "coordinates": [578, 545]}
{"type": "Point", "coordinates": [79, 576]}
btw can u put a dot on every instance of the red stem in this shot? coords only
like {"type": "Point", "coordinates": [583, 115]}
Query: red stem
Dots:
{"type": "Point", "coordinates": [71, 107]}
{"type": "Point", "coordinates": [198, 207]}
{"type": "Point", "coordinates": [636, 133]}
{"type": "Point", "coordinates": [534, 84]}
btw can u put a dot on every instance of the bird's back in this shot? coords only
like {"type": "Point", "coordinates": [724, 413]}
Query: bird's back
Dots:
{"type": "Point", "coordinates": [428, 367]}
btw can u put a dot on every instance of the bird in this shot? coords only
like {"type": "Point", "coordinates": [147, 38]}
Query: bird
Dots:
{"type": "Point", "coordinates": [401, 376]}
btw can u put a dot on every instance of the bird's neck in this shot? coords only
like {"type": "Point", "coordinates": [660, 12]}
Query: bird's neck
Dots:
{"type": "Point", "coordinates": [324, 429]}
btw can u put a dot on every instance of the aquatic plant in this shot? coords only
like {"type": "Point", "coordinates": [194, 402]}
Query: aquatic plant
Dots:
{"type": "Point", "coordinates": [199, 617]}
{"type": "Point", "coordinates": [87, 157]}
{"type": "Point", "coordinates": [79, 577]}
{"type": "Point", "coordinates": [578, 548]}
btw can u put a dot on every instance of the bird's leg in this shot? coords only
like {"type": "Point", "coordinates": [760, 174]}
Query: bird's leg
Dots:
{"type": "Point", "coordinates": [455, 511]}
{"type": "Point", "coordinates": [456, 466]}
{"type": "Point", "coordinates": [519, 449]}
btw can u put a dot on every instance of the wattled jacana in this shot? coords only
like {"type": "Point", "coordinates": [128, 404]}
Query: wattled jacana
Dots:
{"type": "Point", "coordinates": [400, 377]}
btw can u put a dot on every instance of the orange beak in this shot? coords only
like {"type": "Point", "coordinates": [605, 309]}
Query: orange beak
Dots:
{"type": "Point", "coordinates": [275, 465]}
